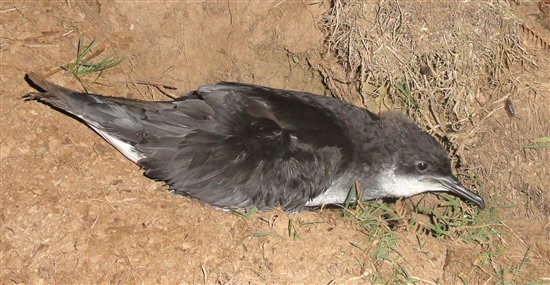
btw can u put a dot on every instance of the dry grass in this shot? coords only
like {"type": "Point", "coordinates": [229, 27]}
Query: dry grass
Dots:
{"type": "Point", "coordinates": [445, 70]}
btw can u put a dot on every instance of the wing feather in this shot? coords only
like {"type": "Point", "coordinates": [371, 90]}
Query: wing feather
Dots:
{"type": "Point", "coordinates": [239, 154]}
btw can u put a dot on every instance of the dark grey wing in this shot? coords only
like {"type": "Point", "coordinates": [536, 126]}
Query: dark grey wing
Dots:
{"type": "Point", "coordinates": [250, 147]}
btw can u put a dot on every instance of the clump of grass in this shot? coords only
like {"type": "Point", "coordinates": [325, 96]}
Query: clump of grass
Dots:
{"type": "Point", "coordinates": [380, 245]}
{"type": "Point", "coordinates": [375, 219]}
{"type": "Point", "coordinates": [404, 93]}
{"type": "Point", "coordinates": [83, 66]}
{"type": "Point", "coordinates": [451, 219]}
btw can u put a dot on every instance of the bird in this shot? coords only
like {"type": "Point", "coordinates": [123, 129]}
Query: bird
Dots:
{"type": "Point", "coordinates": [235, 145]}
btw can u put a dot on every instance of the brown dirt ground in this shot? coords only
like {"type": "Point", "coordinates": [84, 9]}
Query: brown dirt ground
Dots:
{"type": "Point", "coordinates": [76, 211]}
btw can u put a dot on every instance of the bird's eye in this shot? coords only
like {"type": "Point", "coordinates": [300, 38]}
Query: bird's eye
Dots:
{"type": "Point", "coordinates": [422, 166]}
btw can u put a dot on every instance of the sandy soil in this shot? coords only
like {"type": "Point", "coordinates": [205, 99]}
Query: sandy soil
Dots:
{"type": "Point", "coordinates": [74, 210]}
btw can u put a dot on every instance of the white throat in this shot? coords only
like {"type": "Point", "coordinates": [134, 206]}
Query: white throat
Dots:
{"type": "Point", "coordinates": [397, 185]}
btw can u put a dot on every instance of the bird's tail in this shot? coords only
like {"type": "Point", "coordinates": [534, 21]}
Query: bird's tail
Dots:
{"type": "Point", "coordinates": [74, 102]}
{"type": "Point", "coordinates": [54, 95]}
{"type": "Point", "coordinates": [115, 119]}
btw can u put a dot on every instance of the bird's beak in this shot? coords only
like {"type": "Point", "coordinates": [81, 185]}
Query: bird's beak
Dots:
{"type": "Point", "coordinates": [452, 185]}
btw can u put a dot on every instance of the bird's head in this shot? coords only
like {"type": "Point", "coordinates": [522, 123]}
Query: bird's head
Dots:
{"type": "Point", "coordinates": [415, 162]}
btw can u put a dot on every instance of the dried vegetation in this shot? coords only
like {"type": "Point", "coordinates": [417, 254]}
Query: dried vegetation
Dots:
{"type": "Point", "coordinates": [444, 63]}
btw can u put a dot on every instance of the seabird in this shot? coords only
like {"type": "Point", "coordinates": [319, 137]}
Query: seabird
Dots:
{"type": "Point", "coordinates": [235, 145]}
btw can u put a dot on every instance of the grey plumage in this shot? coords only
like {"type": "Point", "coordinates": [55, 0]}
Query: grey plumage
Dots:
{"type": "Point", "coordinates": [238, 145]}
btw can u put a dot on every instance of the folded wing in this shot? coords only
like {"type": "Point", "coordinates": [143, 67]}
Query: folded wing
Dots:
{"type": "Point", "coordinates": [247, 146]}
{"type": "Point", "coordinates": [229, 145]}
